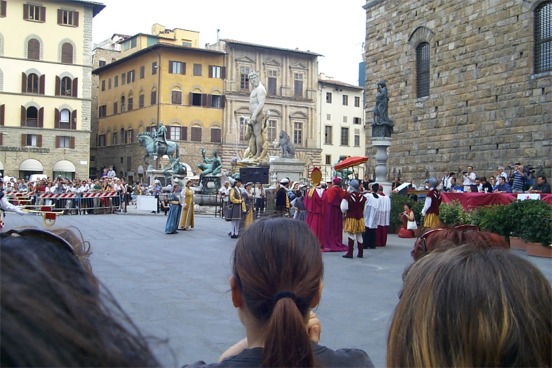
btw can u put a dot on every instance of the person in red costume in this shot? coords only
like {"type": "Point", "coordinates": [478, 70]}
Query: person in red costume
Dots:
{"type": "Point", "coordinates": [353, 207]}
{"type": "Point", "coordinates": [431, 206]}
{"type": "Point", "coordinates": [316, 208]}
{"type": "Point", "coordinates": [333, 239]}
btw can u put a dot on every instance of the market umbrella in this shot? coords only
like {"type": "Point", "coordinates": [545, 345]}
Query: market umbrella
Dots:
{"type": "Point", "coordinates": [350, 162]}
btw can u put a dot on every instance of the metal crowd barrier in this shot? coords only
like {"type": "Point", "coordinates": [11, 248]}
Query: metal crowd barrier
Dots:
{"type": "Point", "coordinates": [70, 203]}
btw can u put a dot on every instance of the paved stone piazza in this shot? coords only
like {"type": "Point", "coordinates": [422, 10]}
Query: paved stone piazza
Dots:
{"type": "Point", "coordinates": [175, 287]}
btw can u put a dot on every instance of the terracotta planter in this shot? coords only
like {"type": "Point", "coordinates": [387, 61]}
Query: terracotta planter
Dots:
{"type": "Point", "coordinates": [539, 250]}
{"type": "Point", "coordinates": [518, 243]}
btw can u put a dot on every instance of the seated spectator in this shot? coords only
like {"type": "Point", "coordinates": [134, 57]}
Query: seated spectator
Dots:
{"type": "Point", "coordinates": [492, 181]}
{"type": "Point", "coordinates": [472, 306]}
{"type": "Point", "coordinates": [486, 187]}
{"type": "Point", "coordinates": [277, 279]}
{"type": "Point", "coordinates": [407, 216]}
{"type": "Point", "coordinates": [541, 186]}
{"type": "Point", "coordinates": [455, 188]}
{"type": "Point", "coordinates": [502, 186]}
{"type": "Point", "coordinates": [53, 314]}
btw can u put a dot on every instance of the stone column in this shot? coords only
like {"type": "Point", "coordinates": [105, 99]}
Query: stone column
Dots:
{"type": "Point", "coordinates": [381, 144]}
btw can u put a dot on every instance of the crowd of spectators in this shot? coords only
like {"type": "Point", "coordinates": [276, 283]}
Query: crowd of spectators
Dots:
{"type": "Point", "coordinates": [517, 178]}
{"type": "Point", "coordinates": [117, 192]}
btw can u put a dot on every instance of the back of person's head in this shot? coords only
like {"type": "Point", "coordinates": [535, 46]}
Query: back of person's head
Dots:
{"type": "Point", "coordinates": [278, 269]}
{"type": "Point", "coordinates": [471, 306]}
{"type": "Point", "coordinates": [442, 239]}
{"type": "Point", "coordinates": [53, 313]}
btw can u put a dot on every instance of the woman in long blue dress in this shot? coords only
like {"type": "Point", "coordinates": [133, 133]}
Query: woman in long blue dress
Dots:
{"type": "Point", "coordinates": [174, 211]}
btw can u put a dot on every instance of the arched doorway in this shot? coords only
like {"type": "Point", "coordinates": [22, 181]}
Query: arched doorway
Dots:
{"type": "Point", "coordinates": [65, 169]}
{"type": "Point", "coordinates": [29, 167]}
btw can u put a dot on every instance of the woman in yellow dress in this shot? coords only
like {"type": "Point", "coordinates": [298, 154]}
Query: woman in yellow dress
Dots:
{"type": "Point", "coordinates": [249, 200]}
{"type": "Point", "coordinates": [187, 200]}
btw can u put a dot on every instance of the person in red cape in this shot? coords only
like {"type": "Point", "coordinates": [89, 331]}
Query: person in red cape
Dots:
{"type": "Point", "coordinates": [333, 219]}
{"type": "Point", "coordinates": [316, 209]}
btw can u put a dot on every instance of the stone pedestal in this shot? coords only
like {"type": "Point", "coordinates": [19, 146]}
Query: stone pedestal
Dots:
{"type": "Point", "coordinates": [210, 184]}
{"type": "Point", "coordinates": [381, 144]}
{"type": "Point", "coordinates": [287, 167]}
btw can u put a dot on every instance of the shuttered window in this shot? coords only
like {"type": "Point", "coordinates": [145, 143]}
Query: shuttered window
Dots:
{"type": "Point", "coordinates": [543, 37]}
{"type": "Point", "coordinates": [298, 133]}
{"type": "Point", "coordinates": [176, 97]}
{"type": "Point", "coordinates": [34, 13]}
{"type": "Point", "coordinates": [272, 85]}
{"type": "Point", "coordinates": [422, 70]}
{"type": "Point", "coordinates": [67, 53]}
{"type": "Point", "coordinates": [65, 142]}
{"type": "Point", "coordinates": [216, 136]}
{"type": "Point", "coordinates": [298, 85]}
{"type": "Point", "coordinates": [196, 134]}
{"type": "Point", "coordinates": [33, 49]}
{"type": "Point", "coordinates": [67, 18]}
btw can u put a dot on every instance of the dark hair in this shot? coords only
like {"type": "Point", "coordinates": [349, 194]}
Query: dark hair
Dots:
{"type": "Point", "coordinates": [542, 176]}
{"type": "Point", "coordinates": [298, 194]}
{"type": "Point", "coordinates": [472, 307]}
{"type": "Point", "coordinates": [409, 205]}
{"type": "Point", "coordinates": [54, 315]}
{"type": "Point", "coordinates": [278, 268]}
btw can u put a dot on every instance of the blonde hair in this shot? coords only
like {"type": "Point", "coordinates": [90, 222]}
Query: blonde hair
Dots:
{"type": "Point", "coordinates": [471, 307]}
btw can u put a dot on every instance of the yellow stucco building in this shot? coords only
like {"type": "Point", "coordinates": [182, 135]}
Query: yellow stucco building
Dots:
{"type": "Point", "coordinates": [170, 81]}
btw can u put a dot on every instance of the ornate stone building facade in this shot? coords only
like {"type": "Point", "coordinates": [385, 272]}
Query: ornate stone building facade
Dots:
{"type": "Point", "coordinates": [45, 87]}
{"type": "Point", "coordinates": [291, 80]}
{"type": "Point", "coordinates": [470, 82]}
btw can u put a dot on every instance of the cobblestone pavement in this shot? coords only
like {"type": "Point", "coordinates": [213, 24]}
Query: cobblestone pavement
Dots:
{"type": "Point", "coordinates": [175, 287]}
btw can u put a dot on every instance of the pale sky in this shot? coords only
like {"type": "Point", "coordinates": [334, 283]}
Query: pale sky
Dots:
{"type": "Point", "coordinates": [336, 31]}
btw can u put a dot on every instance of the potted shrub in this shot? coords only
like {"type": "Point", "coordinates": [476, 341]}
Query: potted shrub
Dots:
{"type": "Point", "coordinates": [453, 214]}
{"type": "Point", "coordinates": [498, 219]}
{"type": "Point", "coordinates": [535, 226]}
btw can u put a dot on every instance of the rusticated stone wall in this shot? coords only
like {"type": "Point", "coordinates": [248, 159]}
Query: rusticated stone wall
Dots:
{"type": "Point", "coordinates": [486, 105]}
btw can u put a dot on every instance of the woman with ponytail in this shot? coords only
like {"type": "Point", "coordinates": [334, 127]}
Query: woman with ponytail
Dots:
{"type": "Point", "coordinates": [276, 280]}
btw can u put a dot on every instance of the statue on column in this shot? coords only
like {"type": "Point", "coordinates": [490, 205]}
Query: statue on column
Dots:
{"type": "Point", "coordinates": [382, 127]}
